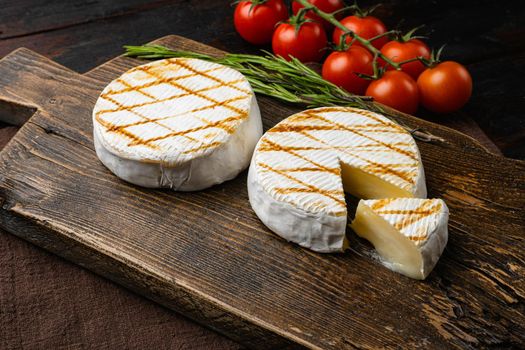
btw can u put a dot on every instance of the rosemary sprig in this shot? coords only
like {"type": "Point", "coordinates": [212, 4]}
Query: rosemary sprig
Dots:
{"type": "Point", "coordinates": [270, 75]}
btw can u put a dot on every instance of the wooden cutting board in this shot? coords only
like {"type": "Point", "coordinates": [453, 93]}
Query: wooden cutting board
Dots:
{"type": "Point", "coordinates": [206, 255]}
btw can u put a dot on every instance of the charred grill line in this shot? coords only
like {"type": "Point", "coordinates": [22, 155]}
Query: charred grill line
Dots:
{"type": "Point", "coordinates": [153, 71]}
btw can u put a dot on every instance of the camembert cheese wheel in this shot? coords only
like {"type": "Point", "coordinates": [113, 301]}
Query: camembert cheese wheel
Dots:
{"type": "Point", "coordinates": [301, 168]}
{"type": "Point", "coordinates": [408, 233]}
{"type": "Point", "coordinates": [180, 123]}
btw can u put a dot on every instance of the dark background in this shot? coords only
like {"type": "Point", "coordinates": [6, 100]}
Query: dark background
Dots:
{"type": "Point", "coordinates": [46, 302]}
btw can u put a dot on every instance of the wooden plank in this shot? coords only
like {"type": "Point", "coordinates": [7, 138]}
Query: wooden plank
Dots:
{"type": "Point", "coordinates": [6, 133]}
{"type": "Point", "coordinates": [48, 303]}
{"type": "Point", "coordinates": [228, 271]}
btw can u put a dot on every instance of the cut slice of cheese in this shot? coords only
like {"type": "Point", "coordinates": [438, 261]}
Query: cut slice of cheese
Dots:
{"type": "Point", "coordinates": [302, 166]}
{"type": "Point", "coordinates": [181, 123]}
{"type": "Point", "coordinates": [408, 233]}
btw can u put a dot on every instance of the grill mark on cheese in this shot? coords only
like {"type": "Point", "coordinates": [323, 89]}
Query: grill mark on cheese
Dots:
{"type": "Point", "coordinates": [398, 173]}
{"type": "Point", "coordinates": [412, 216]}
{"type": "Point", "coordinates": [206, 75]}
{"type": "Point", "coordinates": [365, 148]}
{"type": "Point", "coordinates": [128, 86]}
{"type": "Point", "coordinates": [273, 146]}
{"type": "Point", "coordinates": [293, 127]}
{"type": "Point", "coordinates": [286, 190]}
{"type": "Point", "coordinates": [288, 127]}
{"type": "Point", "coordinates": [422, 209]}
{"type": "Point", "coordinates": [418, 238]}
{"type": "Point", "coordinates": [136, 140]}
{"type": "Point", "coordinates": [217, 124]}
{"type": "Point", "coordinates": [344, 127]}
{"type": "Point", "coordinates": [152, 83]}
{"type": "Point", "coordinates": [264, 147]}
{"type": "Point", "coordinates": [153, 71]}
{"type": "Point", "coordinates": [198, 109]}
{"type": "Point", "coordinates": [330, 125]}
{"type": "Point", "coordinates": [394, 165]}
{"type": "Point", "coordinates": [372, 147]}
{"type": "Point", "coordinates": [421, 214]}
{"type": "Point", "coordinates": [192, 92]}
{"type": "Point", "coordinates": [303, 169]}
{"type": "Point", "coordinates": [378, 129]}
{"type": "Point", "coordinates": [381, 203]}
{"type": "Point", "coordinates": [147, 103]}
{"type": "Point", "coordinates": [381, 168]}
{"type": "Point", "coordinates": [309, 187]}
{"type": "Point", "coordinates": [269, 146]}
{"type": "Point", "coordinates": [362, 112]}
{"type": "Point", "coordinates": [379, 126]}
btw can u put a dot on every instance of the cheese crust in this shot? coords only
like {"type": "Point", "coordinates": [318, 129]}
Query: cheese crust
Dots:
{"type": "Point", "coordinates": [180, 123]}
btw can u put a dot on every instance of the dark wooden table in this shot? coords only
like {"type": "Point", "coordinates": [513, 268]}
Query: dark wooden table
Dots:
{"type": "Point", "coordinates": [46, 302]}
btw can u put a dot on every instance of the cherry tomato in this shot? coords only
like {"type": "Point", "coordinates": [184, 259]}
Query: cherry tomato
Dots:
{"type": "Point", "coordinates": [395, 89]}
{"type": "Point", "coordinates": [401, 51]}
{"type": "Point", "coordinates": [445, 88]}
{"type": "Point", "coordinates": [256, 25]}
{"type": "Point", "coordinates": [327, 6]}
{"type": "Point", "coordinates": [366, 27]}
{"type": "Point", "coordinates": [340, 68]}
{"type": "Point", "coordinates": [306, 44]}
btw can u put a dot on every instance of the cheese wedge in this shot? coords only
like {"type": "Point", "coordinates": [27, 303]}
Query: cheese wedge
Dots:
{"type": "Point", "coordinates": [408, 233]}
{"type": "Point", "coordinates": [179, 123]}
{"type": "Point", "coordinates": [302, 167]}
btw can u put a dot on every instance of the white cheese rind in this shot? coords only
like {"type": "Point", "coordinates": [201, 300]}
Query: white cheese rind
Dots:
{"type": "Point", "coordinates": [203, 145]}
{"type": "Point", "coordinates": [316, 231]}
{"type": "Point", "coordinates": [300, 166]}
{"type": "Point", "coordinates": [421, 225]}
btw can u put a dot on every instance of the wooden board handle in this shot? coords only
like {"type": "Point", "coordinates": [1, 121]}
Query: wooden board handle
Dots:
{"type": "Point", "coordinates": [29, 82]}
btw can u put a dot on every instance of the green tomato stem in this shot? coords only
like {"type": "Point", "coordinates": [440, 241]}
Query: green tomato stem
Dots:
{"type": "Point", "coordinates": [366, 43]}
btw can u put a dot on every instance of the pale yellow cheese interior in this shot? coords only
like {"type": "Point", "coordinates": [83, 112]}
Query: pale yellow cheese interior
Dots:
{"type": "Point", "coordinates": [367, 186]}
{"type": "Point", "coordinates": [397, 251]}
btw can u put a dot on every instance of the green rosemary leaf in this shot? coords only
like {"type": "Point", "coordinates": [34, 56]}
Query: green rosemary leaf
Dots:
{"type": "Point", "coordinates": [289, 81]}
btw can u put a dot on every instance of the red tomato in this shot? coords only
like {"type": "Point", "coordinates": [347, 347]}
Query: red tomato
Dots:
{"type": "Point", "coordinates": [307, 44]}
{"type": "Point", "coordinates": [366, 27]}
{"type": "Point", "coordinates": [340, 68]}
{"type": "Point", "coordinates": [327, 6]}
{"type": "Point", "coordinates": [256, 25]}
{"type": "Point", "coordinates": [395, 89]}
{"type": "Point", "coordinates": [445, 88]}
{"type": "Point", "coordinates": [401, 51]}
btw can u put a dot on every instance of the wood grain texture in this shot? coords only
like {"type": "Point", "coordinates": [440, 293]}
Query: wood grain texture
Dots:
{"type": "Point", "coordinates": [6, 133]}
{"type": "Point", "coordinates": [207, 255]}
{"type": "Point", "coordinates": [49, 303]}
